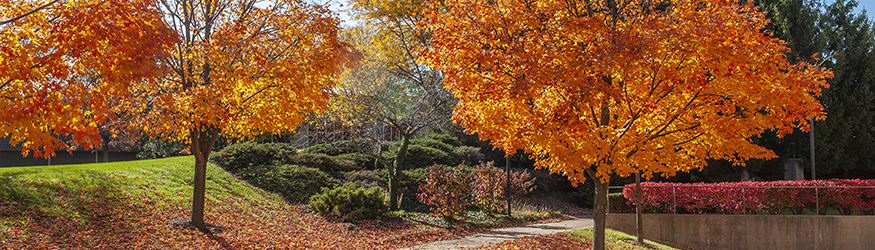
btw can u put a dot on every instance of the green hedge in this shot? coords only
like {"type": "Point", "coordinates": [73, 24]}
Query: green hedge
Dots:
{"type": "Point", "coordinates": [295, 183]}
{"type": "Point", "coordinates": [444, 138]}
{"type": "Point", "coordinates": [439, 145]}
{"type": "Point", "coordinates": [362, 161]}
{"type": "Point", "coordinates": [339, 147]}
{"type": "Point", "coordinates": [367, 178]}
{"type": "Point", "coordinates": [242, 155]}
{"type": "Point", "coordinates": [618, 204]}
{"type": "Point", "coordinates": [469, 155]}
{"type": "Point", "coordinates": [350, 203]}
{"type": "Point", "coordinates": [419, 156]}
{"type": "Point", "coordinates": [323, 162]}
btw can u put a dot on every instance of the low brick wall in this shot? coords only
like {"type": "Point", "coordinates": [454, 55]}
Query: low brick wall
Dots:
{"type": "Point", "coordinates": [707, 231]}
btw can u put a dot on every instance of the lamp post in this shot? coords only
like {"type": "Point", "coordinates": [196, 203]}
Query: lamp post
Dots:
{"type": "Point", "coordinates": [507, 182]}
{"type": "Point", "coordinates": [811, 140]}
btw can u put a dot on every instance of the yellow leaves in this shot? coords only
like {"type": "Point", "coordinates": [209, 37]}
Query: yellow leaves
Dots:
{"type": "Point", "coordinates": [262, 73]}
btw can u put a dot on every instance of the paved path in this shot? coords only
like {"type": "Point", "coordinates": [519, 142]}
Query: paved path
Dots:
{"type": "Point", "coordinates": [503, 234]}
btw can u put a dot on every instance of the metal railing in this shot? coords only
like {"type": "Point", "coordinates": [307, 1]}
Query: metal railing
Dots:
{"type": "Point", "coordinates": [744, 199]}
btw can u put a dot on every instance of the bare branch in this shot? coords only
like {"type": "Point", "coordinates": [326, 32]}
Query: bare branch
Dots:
{"type": "Point", "coordinates": [29, 12]}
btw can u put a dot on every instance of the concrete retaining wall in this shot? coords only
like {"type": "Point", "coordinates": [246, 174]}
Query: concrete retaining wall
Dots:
{"type": "Point", "coordinates": [753, 231]}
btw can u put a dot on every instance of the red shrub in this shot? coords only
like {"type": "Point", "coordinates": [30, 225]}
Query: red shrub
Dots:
{"type": "Point", "coordinates": [490, 184]}
{"type": "Point", "coordinates": [448, 191]}
{"type": "Point", "coordinates": [751, 197]}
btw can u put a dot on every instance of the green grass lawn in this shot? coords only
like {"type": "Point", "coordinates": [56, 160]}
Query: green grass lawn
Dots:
{"type": "Point", "coordinates": [166, 179]}
{"type": "Point", "coordinates": [621, 240]}
{"type": "Point", "coordinates": [132, 204]}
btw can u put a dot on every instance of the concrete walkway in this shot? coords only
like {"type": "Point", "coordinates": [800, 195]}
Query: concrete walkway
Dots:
{"type": "Point", "coordinates": [503, 234]}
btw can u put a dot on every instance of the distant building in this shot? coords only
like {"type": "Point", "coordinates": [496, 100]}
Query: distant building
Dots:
{"type": "Point", "coordinates": [10, 156]}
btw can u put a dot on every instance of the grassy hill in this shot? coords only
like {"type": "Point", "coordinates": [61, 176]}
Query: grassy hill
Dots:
{"type": "Point", "coordinates": [132, 204]}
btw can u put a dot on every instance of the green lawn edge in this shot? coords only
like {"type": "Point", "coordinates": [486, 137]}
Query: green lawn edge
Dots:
{"type": "Point", "coordinates": [617, 239]}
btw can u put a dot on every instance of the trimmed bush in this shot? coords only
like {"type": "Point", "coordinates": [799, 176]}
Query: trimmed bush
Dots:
{"type": "Point", "coordinates": [353, 146]}
{"type": "Point", "coordinates": [326, 149]}
{"type": "Point", "coordinates": [243, 155]}
{"type": "Point", "coordinates": [293, 182]}
{"type": "Point", "coordinates": [339, 147]}
{"type": "Point", "coordinates": [158, 148]}
{"type": "Point", "coordinates": [412, 178]}
{"type": "Point", "coordinates": [323, 162]}
{"type": "Point", "coordinates": [367, 178]}
{"type": "Point", "coordinates": [362, 161]}
{"type": "Point", "coordinates": [773, 197]}
{"type": "Point", "coordinates": [469, 155]}
{"type": "Point", "coordinates": [445, 138]}
{"type": "Point", "coordinates": [350, 203]}
{"type": "Point", "coordinates": [435, 144]}
{"type": "Point", "coordinates": [419, 156]}
{"type": "Point", "coordinates": [618, 204]}
{"type": "Point", "coordinates": [447, 191]}
{"type": "Point", "coordinates": [408, 180]}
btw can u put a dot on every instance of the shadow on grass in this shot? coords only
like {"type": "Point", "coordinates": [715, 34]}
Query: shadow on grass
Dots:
{"type": "Point", "coordinates": [50, 213]}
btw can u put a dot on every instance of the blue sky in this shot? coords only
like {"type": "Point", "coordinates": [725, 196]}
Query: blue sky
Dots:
{"type": "Point", "coordinates": [869, 5]}
{"type": "Point", "coordinates": [339, 7]}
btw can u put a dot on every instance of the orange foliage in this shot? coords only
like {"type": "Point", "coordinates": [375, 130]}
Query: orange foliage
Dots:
{"type": "Point", "coordinates": [241, 69]}
{"type": "Point", "coordinates": [618, 87]}
{"type": "Point", "coordinates": [59, 64]}
{"type": "Point", "coordinates": [246, 71]}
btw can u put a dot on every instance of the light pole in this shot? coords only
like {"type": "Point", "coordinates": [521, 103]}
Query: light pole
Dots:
{"type": "Point", "coordinates": [811, 140]}
{"type": "Point", "coordinates": [507, 182]}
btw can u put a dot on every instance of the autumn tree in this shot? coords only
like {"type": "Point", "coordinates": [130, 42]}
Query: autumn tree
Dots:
{"type": "Point", "coordinates": [241, 69]}
{"type": "Point", "coordinates": [599, 88]}
{"type": "Point", "coordinates": [389, 89]}
{"type": "Point", "coordinates": [61, 61]}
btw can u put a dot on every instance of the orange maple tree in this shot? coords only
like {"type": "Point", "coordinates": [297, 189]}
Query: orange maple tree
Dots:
{"type": "Point", "coordinates": [240, 70]}
{"type": "Point", "coordinates": [60, 60]}
{"type": "Point", "coordinates": [599, 88]}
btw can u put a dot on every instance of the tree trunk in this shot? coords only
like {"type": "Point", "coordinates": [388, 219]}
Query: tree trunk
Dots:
{"type": "Point", "coordinates": [601, 199]}
{"type": "Point", "coordinates": [197, 202]}
{"type": "Point", "coordinates": [393, 172]}
{"type": "Point", "coordinates": [638, 219]}
{"type": "Point", "coordinates": [202, 141]}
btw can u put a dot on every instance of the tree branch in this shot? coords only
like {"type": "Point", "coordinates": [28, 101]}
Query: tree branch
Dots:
{"type": "Point", "coordinates": [29, 13]}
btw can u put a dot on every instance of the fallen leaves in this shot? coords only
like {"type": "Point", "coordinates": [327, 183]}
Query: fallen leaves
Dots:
{"type": "Point", "coordinates": [100, 212]}
{"type": "Point", "coordinates": [547, 242]}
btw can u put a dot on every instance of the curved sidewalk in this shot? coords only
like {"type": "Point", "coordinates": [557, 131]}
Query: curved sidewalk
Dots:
{"type": "Point", "coordinates": [503, 234]}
